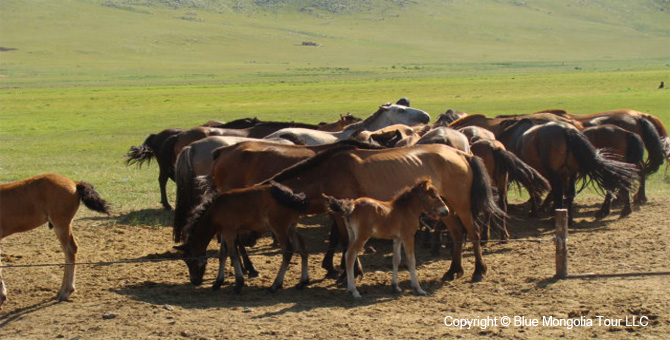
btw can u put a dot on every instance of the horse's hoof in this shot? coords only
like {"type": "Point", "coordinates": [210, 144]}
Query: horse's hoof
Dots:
{"type": "Point", "coordinates": [217, 285]}
{"type": "Point", "coordinates": [340, 282]}
{"type": "Point", "coordinates": [477, 278]}
{"type": "Point", "coordinates": [332, 274]}
{"type": "Point", "coordinates": [625, 213]}
{"type": "Point", "coordinates": [302, 284]}
{"type": "Point", "coordinates": [396, 289]}
{"type": "Point", "coordinates": [448, 276]}
{"type": "Point", "coordinates": [600, 215]}
{"type": "Point", "coordinates": [421, 292]}
{"type": "Point", "coordinates": [274, 288]}
{"type": "Point", "coordinates": [253, 273]}
{"type": "Point", "coordinates": [356, 294]}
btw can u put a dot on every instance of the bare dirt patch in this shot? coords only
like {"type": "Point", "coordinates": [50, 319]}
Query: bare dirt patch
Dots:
{"type": "Point", "coordinates": [153, 300]}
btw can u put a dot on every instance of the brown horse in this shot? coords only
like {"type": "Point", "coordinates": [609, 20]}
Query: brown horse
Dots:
{"type": "Point", "coordinates": [254, 210]}
{"type": "Point", "coordinates": [499, 123]}
{"type": "Point", "coordinates": [53, 199]}
{"type": "Point", "coordinates": [476, 133]}
{"type": "Point", "coordinates": [397, 219]}
{"type": "Point", "coordinates": [460, 178]}
{"type": "Point", "coordinates": [621, 145]}
{"type": "Point", "coordinates": [560, 153]}
{"type": "Point", "coordinates": [339, 125]}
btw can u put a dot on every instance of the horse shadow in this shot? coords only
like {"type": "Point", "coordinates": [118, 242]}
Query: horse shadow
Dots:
{"type": "Point", "coordinates": [151, 217]}
{"type": "Point", "coordinates": [19, 314]}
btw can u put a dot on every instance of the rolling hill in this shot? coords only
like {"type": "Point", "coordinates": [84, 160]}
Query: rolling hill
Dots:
{"type": "Point", "coordinates": [103, 41]}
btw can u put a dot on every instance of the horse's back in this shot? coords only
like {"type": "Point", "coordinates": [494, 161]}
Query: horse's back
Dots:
{"type": "Point", "coordinates": [31, 202]}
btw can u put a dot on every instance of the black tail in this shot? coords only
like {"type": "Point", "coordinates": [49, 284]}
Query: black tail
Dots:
{"type": "Point", "coordinates": [482, 203]}
{"type": "Point", "coordinates": [91, 198]}
{"type": "Point", "coordinates": [520, 172]}
{"type": "Point", "coordinates": [186, 192]}
{"type": "Point", "coordinates": [654, 146]}
{"type": "Point", "coordinates": [608, 174]}
{"type": "Point", "coordinates": [289, 199]}
{"type": "Point", "coordinates": [141, 154]}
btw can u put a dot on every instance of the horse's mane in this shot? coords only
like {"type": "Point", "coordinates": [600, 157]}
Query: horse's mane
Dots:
{"type": "Point", "coordinates": [403, 197]}
{"type": "Point", "coordinates": [308, 163]}
{"type": "Point", "coordinates": [467, 119]}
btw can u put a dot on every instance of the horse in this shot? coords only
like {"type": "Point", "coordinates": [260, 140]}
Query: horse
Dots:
{"type": "Point", "coordinates": [560, 152]}
{"type": "Point", "coordinates": [155, 147]}
{"type": "Point", "coordinates": [386, 115]}
{"type": "Point", "coordinates": [397, 219]}
{"type": "Point", "coordinates": [193, 161]}
{"type": "Point", "coordinates": [339, 125]}
{"type": "Point", "coordinates": [461, 180]}
{"type": "Point", "coordinates": [54, 199]}
{"type": "Point", "coordinates": [648, 127]}
{"type": "Point", "coordinates": [391, 135]}
{"type": "Point", "coordinates": [447, 136]}
{"type": "Point", "coordinates": [446, 118]}
{"type": "Point", "coordinates": [476, 133]}
{"type": "Point", "coordinates": [625, 146]}
{"type": "Point", "coordinates": [254, 210]}
{"type": "Point", "coordinates": [499, 123]}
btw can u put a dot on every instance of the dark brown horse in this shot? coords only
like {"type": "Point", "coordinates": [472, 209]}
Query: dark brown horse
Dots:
{"type": "Point", "coordinates": [560, 153]}
{"type": "Point", "coordinates": [461, 179]}
{"type": "Point", "coordinates": [648, 127]}
{"type": "Point", "coordinates": [254, 210]}
{"type": "Point", "coordinates": [621, 145]}
{"type": "Point", "coordinates": [54, 199]}
{"type": "Point", "coordinates": [157, 146]}
{"type": "Point", "coordinates": [339, 125]}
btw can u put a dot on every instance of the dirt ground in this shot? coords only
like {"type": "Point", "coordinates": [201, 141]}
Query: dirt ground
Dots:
{"type": "Point", "coordinates": [154, 300]}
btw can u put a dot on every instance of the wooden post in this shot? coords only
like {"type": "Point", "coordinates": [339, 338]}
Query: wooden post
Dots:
{"type": "Point", "coordinates": [561, 218]}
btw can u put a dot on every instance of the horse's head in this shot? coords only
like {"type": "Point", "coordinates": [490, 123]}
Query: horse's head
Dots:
{"type": "Point", "coordinates": [430, 197]}
{"type": "Point", "coordinates": [398, 114]}
{"type": "Point", "coordinates": [196, 263]}
{"type": "Point", "coordinates": [448, 117]}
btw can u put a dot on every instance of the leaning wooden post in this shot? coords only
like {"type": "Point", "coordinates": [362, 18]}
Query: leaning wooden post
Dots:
{"type": "Point", "coordinates": [561, 240]}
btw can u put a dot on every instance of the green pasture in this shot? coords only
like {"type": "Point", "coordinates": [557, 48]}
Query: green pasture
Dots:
{"type": "Point", "coordinates": [83, 80]}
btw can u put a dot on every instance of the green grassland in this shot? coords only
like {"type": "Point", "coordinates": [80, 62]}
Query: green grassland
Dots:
{"type": "Point", "coordinates": [82, 81]}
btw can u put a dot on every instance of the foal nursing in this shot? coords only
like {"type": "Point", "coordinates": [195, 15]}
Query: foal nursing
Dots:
{"type": "Point", "coordinates": [397, 219]}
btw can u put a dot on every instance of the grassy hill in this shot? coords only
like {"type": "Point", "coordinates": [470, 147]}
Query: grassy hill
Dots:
{"type": "Point", "coordinates": [242, 41]}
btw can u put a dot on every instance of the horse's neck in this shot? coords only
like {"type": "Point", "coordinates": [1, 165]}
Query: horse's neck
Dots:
{"type": "Point", "coordinates": [412, 208]}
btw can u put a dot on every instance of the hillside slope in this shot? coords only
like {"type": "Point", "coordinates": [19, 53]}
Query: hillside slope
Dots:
{"type": "Point", "coordinates": [113, 39]}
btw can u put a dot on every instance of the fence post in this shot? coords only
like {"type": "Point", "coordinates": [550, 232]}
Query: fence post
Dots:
{"type": "Point", "coordinates": [561, 239]}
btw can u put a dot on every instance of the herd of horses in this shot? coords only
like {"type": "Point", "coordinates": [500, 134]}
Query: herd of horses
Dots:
{"type": "Point", "coordinates": [381, 177]}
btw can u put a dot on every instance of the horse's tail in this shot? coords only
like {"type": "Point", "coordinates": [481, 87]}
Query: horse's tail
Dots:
{"type": "Point", "coordinates": [185, 180]}
{"type": "Point", "coordinates": [608, 174]}
{"type": "Point", "coordinates": [654, 145]}
{"type": "Point", "coordinates": [343, 207]}
{"type": "Point", "coordinates": [91, 198]}
{"type": "Point", "coordinates": [635, 150]}
{"type": "Point", "coordinates": [289, 199]}
{"type": "Point", "coordinates": [141, 154]}
{"type": "Point", "coordinates": [662, 133]}
{"type": "Point", "coordinates": [519, 172]}
{"type": "Point", "coordinates": [482, 203]}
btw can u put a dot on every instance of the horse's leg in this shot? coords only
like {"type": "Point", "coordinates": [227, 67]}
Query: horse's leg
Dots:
{"type": "Point", "coordinates": [456, 231]}
{"type": "Point", "coordinates": [68, 243]}
{"type": "Point", "coordinates": [287, 253]}
{"type": "Point", "coordinates": [356, 244]}
{"type": "Point", "coordinates": [333, 241]}
{"type": "Point", "coordinates": [345, 241]}
{"type": "Point", "coordinates": [248, 266]}
{"type": "Point", "coordinates": [641, 197]}
{"type": "Point", "coordinates": [473, 233]}
{"type": "Point", "coordinates": [408, 244]}
{"type": "Point", "coordinates": [502, 203]}
{"type": "Point", "coordinates": [396, 263]}
{"type": "Point", "coordinates": [625, 198]}
{"type": "Point", "coordinates": [162, 183]}
{"type": "Point", "coordinates": [299, 244]}
{"type": "Point", "coordinates": [570, 194]}
{"type": "Point", "coordinates": [3, 289]}
{"type": "Point", "coordinates": [605, 208]}
{"type": "Point", "coordinates": [235, 259]}
{"type": "Point", "coordinates": [223, 253]}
